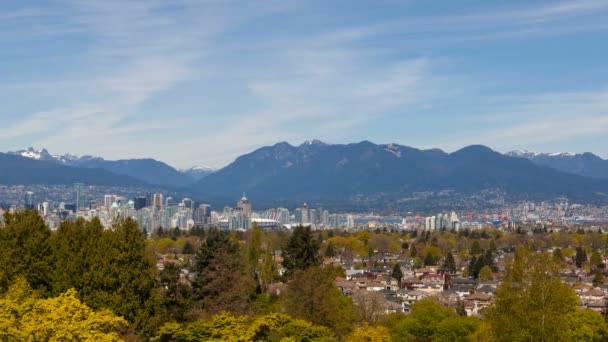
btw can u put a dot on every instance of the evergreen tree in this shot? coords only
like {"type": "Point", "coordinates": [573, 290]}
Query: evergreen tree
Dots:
{"type": "Point", "coordinates": [488, 260]}
{"type": "Point", "coordinates": [429, 260]}
{"type": "Point", "coordinates": [220, 283]}
{"type": "Point", "coordinates": [413, 251]}
{"type": "Point", "coordinates": [177, 295]}
{"type": "Point", "coordinates": [75, 246]}
{"type": "Point", "coordinates": [397, 273]}
{"type": "Point", "coordinates": [449, 263]}
{"type": "Point", "coordinates": [476, 248]}
{"type": "Point", "coordinates": [329, 250]}
{"type": "Point", "coordinates": [598, 279]}
{"type": "Point", "coordinates": [472, 271]}
{"type": "Point", "coordinates": [25, 250]}
{"type": "Point", "coordinates": [596, 258]}
{"type": "Point", "coordinates": [188, 248]}
{"type": "Point", "coordinates": [460, 310]}
{"type": "Point", "coordinates": [581, 257]}
{"type": "Point", "coordinates": [301, 251]}
{"type": "Point", "coordinates": [492, 245]}
{"type": "Point", "coordinates": [123, 277]}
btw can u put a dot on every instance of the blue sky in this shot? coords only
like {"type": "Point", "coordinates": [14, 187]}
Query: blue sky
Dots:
{"type": "Point", "coordinates": [199, 82]}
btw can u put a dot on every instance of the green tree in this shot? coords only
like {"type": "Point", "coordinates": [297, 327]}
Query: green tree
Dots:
{"type": "Point", "coordinates": [596, 258]}
{"type": "Point", "coordinates": [558, 256]}
{"type": "Point", "coordinates": [329, 250]}
{"type": "Point", "coordinates": [124, 277]}
{"type": "Point", "coordinates": [449, 263]}
{"type": "Point", "coordinates": [585, 325]}
{"type": "Point", "coordinates": [188, 248]}
{"type": "Point", "coordinates": [430, 321]}
{"type": "Point", "coordinates": [313, 296]}
{"type": "Point", "coordinates": [397, 273]}
{"type": "Point", "coordinates": [221, 283]}
{"type": "Point", "coordinates": [75, 246]}
{"type": "Point", "coordinates": [581, 257]}
{"type": "Point", "coordinates": [413, 251]}
{"type": "Point", "coordinates": [532, 300]}
{"type": "Point", "coordinates": [25, 250]}
{"type": "Point", "coordinates": [269, 271]}
{"type": "Point", "coordinates": [429, 260]}
{"type": "Point", "coordinates": [598, 278]}
{"type": "Point", "coordinates": [301, 251]}
{"type": "Point", "coordinates": [485, 273]}
{"type": "Point", "coordinates": [476, 248]}
{"type": "Point", "coordinates": [177, 293]}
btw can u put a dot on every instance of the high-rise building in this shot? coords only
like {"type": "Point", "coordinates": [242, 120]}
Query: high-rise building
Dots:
{"type": "Point", "coordinates": [283, 216]}
{"type": "Point", "coordinates": [188, 203]}
{"type": "Point", "coordinates": [108, 200]}
{"type": "Point", "coordinates": [29, 200]}
{"type": "Point", "coordinates": [350, 222]}
{"type": "Point", "coordinates": [302, 214]}
{"type": "Point", "coordinates": [157, 201]}
{"type": "Point", "coordinates": [244, 205]}
{"type": "Point", "coordinates": [140, 202]}
{"type": "Point", "coordinates": [81, 196]}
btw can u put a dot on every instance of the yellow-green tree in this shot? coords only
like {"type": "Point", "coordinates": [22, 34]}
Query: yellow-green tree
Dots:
{"type": "Point", "coordinates": [430, 320]}
{"type": "Point", "coordinates": [226, 327]}
{"type": "Point", "coordinates": [532, 301]}
{"type": "Point", "coordinates": [26, 317]}
{"type": "Point", "coordinates": [368, 333]}
{"type": "Point", "coordinates": [312, 295]}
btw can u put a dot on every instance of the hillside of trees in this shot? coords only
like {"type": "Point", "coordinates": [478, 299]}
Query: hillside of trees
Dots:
{"type": "Point", "coordinates": [83, 282]}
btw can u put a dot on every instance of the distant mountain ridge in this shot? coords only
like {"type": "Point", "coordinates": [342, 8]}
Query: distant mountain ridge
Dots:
{"type": "Point", "coordinates": [583, 164]}
{"type": "Point", "coordinates": [147, 170]}
{"type": "Point", "coordinates": [18, 170]}
{"type": "Point", "coordinates": [320, 171]}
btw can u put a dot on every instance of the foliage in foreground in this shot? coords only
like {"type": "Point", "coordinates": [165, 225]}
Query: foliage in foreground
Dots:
{"type": "Point", "coordinates": [24, 316]}
{"type": "Point", "coordinates": [227, 327]}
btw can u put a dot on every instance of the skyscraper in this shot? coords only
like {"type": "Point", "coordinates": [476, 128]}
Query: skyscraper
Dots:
{"type": "Point", "coordinates": [139, 202]}
{"type": "Point", "coordinates": [81, 196]}
{"type": "Point", "coordinates": [350, 222]}
{"type": "Point", "coordinates": [244, 205]}
{"type": "Point", "coordinates": [29, 200]}
{"type": "Point", "coordinates": [158, 201]}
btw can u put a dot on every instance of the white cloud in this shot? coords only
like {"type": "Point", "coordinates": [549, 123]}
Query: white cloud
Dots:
{"type": "Point", "coordinates": [532, 120]}
{"type": "Point", "coordinates": [324, 81]}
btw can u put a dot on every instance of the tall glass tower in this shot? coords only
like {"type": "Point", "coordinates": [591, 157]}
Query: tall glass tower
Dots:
{"type": "Point", "coordinates": [81, 196]}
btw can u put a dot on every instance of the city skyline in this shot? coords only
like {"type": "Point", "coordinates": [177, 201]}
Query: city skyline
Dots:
{"type": "Point", "coordinates": [125, 79]}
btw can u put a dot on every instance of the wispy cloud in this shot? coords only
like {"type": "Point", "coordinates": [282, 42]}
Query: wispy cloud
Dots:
{"type": "Point", "coordinates": [223, 77]}
{"type": "Point", "coordinates": [535, 120]}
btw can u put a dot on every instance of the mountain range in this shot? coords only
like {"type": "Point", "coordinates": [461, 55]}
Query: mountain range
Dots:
{"type": "Point", "coordinates": [315, 171]}
{"type": "Point", "coordinates": [18, 170]}
{"type": "Point", "coordinates": [146, 170]}
{"type": "Point", "coordinates": [359, 173]}
{"type": "Point", "coordinates": [582, 164]}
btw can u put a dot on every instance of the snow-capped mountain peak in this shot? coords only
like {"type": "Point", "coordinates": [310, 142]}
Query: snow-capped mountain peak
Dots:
{"type": "Point", "coordinates": [314, 142]}
{"type": "Point", "coordinates": [44, 155]}
{"type": "Point", "coordinates": [199, 168]}
{"type": "Point", "coordinates": [532, 154]}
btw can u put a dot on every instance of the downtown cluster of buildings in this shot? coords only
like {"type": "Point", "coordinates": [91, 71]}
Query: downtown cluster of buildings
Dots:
{"type": "Point", "coordinates": [153, 211]}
